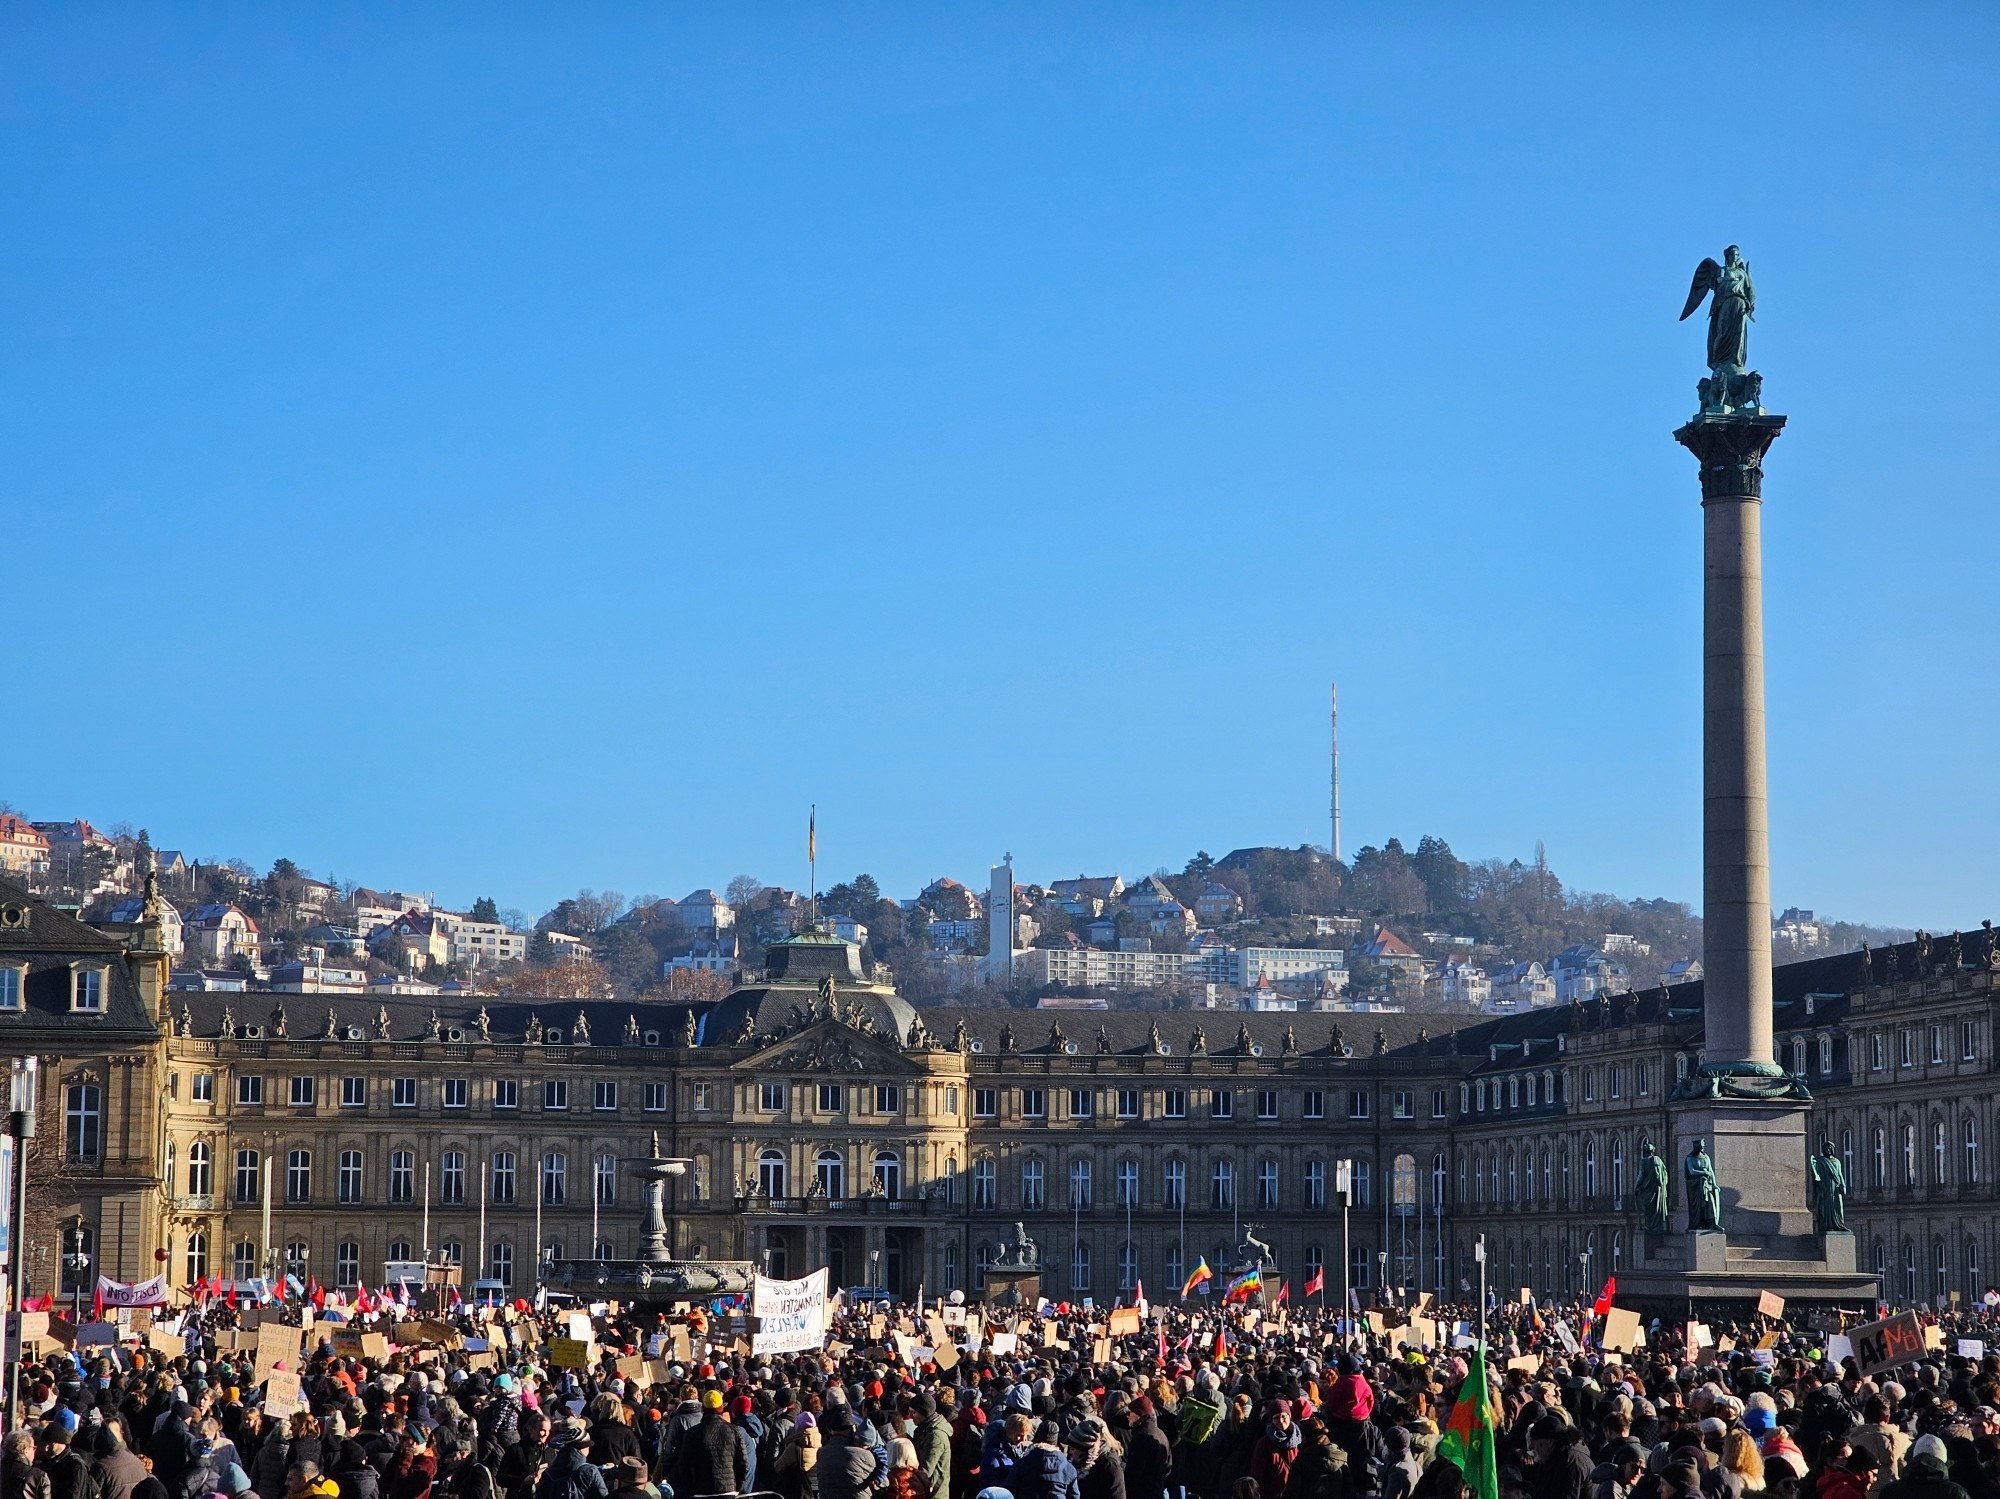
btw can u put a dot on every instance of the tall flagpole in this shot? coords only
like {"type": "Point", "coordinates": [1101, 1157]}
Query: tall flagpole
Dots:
{"type": "Point", "coordinates": [427, 1215]}
{"type": "Point", "coordinates": [485, 1169]}
{"type": "Point", "coordinates": [812, 857]}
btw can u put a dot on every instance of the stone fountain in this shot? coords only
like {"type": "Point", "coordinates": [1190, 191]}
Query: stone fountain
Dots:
{"type": "Point", "coordinates": [655, 1275]}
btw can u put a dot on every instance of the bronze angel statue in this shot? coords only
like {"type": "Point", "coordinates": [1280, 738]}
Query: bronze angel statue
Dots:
{"type": "Point", "coordinates": [1730, 313]}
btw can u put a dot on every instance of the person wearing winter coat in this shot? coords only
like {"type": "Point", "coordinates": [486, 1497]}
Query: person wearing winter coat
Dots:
{"type": "Point", "coordinates": [848, 1467]}
{"type": "Point", "coordinates": [1271, 1458]}
{"type": "Point", "coordinates": [70, 1473]}
{"type": "Point", "coordinates": [19, 1477]}
{"type": "Point", "coordinates": [1100, 1470]}
{"type": "Point", "coordinates": [1396, 1476]}
{"type": "Point", "coordinates": [794, 1475]}
{"type": "Point", "coordinates": [120, 1471]}
{"type": "Point", "coordinates": [930, 1433]}
{"type": "Point", "coordinates": [1319, 1468]}
{"type": "Point", "coordinates": [1042, 1472]}
{"type": "Point", "coordinates": [1560, 1461]}
{"type": "Point", "coordinates": [1149, 1459]}
{"type": "Point", "coordinates": [198, 1479]}
{"type": "Point", "coordinates": [1349, 1405]}
{"type": "Point", "coordinates": [1925, 1473]}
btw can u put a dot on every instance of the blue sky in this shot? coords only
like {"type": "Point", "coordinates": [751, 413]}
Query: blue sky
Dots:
{"type": "Point", "coordinates": [503, 449]}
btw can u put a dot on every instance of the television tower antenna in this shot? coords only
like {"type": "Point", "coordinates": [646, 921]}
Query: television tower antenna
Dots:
{"type": "Point", "coordinates": [1335, 693]}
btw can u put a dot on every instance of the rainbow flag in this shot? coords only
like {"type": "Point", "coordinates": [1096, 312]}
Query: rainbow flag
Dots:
{"type": "Point", "coordinates": [1202, 1275]}
{"type": "Point", "coordinates": [1468, 1436]}
{"type": "Point", "coordinates": [1246, 1285]}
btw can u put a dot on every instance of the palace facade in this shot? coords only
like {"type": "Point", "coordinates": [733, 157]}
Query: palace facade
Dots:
{"type": "Point", "coordinates": [828, 1122]}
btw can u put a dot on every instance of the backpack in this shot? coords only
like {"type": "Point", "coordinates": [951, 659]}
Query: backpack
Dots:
{"type": "Point", "coordinates": [559, 1483]}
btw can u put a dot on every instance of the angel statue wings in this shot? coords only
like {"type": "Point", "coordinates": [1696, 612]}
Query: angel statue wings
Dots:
{"type": "Point", "coordinates": [1730, 312]}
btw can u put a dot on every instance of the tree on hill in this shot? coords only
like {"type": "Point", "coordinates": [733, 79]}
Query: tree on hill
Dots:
{"type": "Point", "coordinates": [484, 909]}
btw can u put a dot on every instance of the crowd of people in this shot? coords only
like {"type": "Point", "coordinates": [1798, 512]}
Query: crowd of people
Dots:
{"type": "Point", "coordinates": [1202, 1404]}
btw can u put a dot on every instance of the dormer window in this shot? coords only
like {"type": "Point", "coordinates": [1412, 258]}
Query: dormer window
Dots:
{"type": "Point", "coordinates": [86, 994]}
{"type": "Point", "coordinates": [13, 980]}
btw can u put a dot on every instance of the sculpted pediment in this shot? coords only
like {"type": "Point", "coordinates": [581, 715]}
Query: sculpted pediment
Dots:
{"type": "Point", "coordinates": [827, 1046]}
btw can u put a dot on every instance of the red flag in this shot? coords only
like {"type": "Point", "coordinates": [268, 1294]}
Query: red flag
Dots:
{"type": "Point", "coordinates": [1163, 1342]}
{"type": "Point", "coordinates": [1284, 1293]}
{"type": "Point", "coordinates": [97, 1305]}
{"type": "Point", "coordinates": [231, 1296]}
{"type": "Point", "coordinates": [1316, 1283]}
{"type": "Point", "coordinates": [318, 1296]}
{"type": "Point", "coordinates": [1603, 1302]}
{"type": "Point", "coordinates": [1221, 1342]}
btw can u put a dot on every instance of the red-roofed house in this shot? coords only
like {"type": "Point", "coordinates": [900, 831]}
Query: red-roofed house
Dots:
{"type": "Point", "coordinates": [218, 932]}
{"type": "Point", "coordinates": [24, 848]}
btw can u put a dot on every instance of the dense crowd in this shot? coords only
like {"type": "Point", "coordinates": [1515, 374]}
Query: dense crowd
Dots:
{"type": "Point", "coordinates": [1200, 1405]}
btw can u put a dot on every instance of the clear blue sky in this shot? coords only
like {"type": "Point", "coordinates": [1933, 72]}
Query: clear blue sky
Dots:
{"type": "Point", "coordinates": [503, 449]}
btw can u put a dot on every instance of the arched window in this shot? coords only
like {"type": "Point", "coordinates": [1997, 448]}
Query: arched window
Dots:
{"type": "Point", "coordinates": [771, 1174]}
{"type": "Point", "coordinates": [1079, 1269]}
{"type": "Point", "coordinates": [453, 1252]}
{"type": "Point", "coordinates": [1847, 1155]}
{"type": "Point", "coordinates": [1439, 1181]}
{"type": "Point", "coordinates": [1938, 1153]}
{"type": "Point", "coordinates": [503, 1176]}
{"type": "Point", "coordinates": [1513, 1182]}
{"type": "Point", "coordinates": [299, 1176]}
{"type": "Point", "coordinates": [555, 1178]}
{"type": "Point", "coordinates": [1940, 1272]}
{"type": "Point", "coordinates": [399, 1249]}
{"type": "Point", "coordinates": [1478, 1177]}
{"type": "Point", "coordinates": [83, 1122]}
{"type": "Point", "coordinates": [249, 1175]}
{"type": "Point", "coordinates": [347, 1263]}
{"type": "Point", "coordinates": [1909, 1271]}
{"type": "Point", "coordinates": [1532, 1082]}
{"type": "Point", "coordinates": [1128, 1184]}
{"type": "Point", "coordinates": [1175, 1266]}
{"type": "Point", "coordinates": [951, 1264]}
{"type": "Point", "coordinates": [606, 1170]}
{"type": "Point", "coordinates": [500, 1263]}
{"type": "Point", "coordinates": [451, 1178]}
{"type": "Point", "coordinates": [830, 1175]}
{"type": "Point", "coordinates": [1461, 1180]}
{"type": "Point", "coordinates": [1589, 1166]}
{"type": "Point", "coordinates": [1973, 1289]}
{"type": "Point", "coordinates": [1033, 1185]}
{"type": "Point", "coordinates": [402, 1176]}
{"type": "Point", "coordinates": [1267, 1184]}
{"type": "Point", "coordinates": [983, 1192]}
{"type": "Point", "coordinates": [889, 1174]}
{"type": "Point", "coordinates": [1128, 1265]}
{"type": "Point", "coordinates": [197, 1257]}
{"type": "Point", "coordinates": [1175, 1185]}
{"type": "Point", "coordinates": [1617, 1250]}
{"type": "Point", "coordinates": [1971, 1133]}
{"type": "Point", "coordinates": [1878, 1173]}
{"type": "Point", "coordinates": [243, 1260]}
{"type": "Point", "coordinates": [1363, 1196]}
{"type": "Point", "coordinates": [1493, 1168]}
{"type": "Point", "coordinates": [1079, 1184]}
{"type": "Point", "coordinates": [201, 1170]}
{"type": "Point", "coordinates": [951, 1181]}
{"type": "Point", "coordinates": [1909, 1154]}
{"type": "Point", "coordinates": [1618, 1168]}
{"type": "Point", "coordinates": [1222, 1186]}
{"type": "Point", "coordinates": [347, 1177]}
{"type": "Point", "coordinates": [1882, 1266]}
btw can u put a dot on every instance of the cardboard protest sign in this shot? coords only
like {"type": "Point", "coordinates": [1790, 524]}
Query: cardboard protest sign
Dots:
{"type": "Point", "coordinates": [34, 1327]}
{"type": "Point", "coordinates": [682, 1345]}
{"type": "Point", "coordinates": [1770, 1304]}
{"type": "Point", "coordinates": [1527, 1363]}
{"type": "Point", "coordinates": [1004, 1343]}
{"type": "Point", "coordinates": [374, 1345]}
{"type": "Point", "coordinates": [275, 1342]}
{"type": "Point", "coordinates": [1421, 1333]}
{"type": "Point", "coordinates": [1100, 1351]}
{"type": "Point", "coordinates": [281, 1393]}
{"type": "Point", "coordinates": [1885, 1344]}
{"type": "Point", "coordinates": [945, 1356]}
{"type": "Point", "coordinates": [632, 1367]}
{"type": "Point", "coordinates": [1125, 1321]}
{"type": "Point", "coordinates": [97, 1334]}
{"type": "Point", "coordinates": [1527, 1296]}
{"type": "Point", "coordinates": [1621, 1330]}
{"type": "Point", "coordinates": [1974, 1348]}
{"type": "Point", "coordinates": [569, 1353]}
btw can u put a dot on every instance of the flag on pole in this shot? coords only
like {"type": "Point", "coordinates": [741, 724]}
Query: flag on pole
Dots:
{"type": "Point", "coordinates": [1603, 1302]}
{"type": "Point", "coordinates": [1221, 1344]}
{"type": "Point", "coordinates": [1468, 1436]}
{"type": "Point", "coordinates": [97, 1305]}
{"type": "Point", "coordinates": [1316, 1282]}
{"type": "Point", "coordinates": [1202, 1275]}
{"type": "Point", "coordinates": [1246, 1285]}
{"type": "Point", "coordinates": [1284, 1293]}
{"type": "Point", "coordinates": [812, 835]}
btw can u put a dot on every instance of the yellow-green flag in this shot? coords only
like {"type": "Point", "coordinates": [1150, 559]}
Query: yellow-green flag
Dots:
{"type": "Point", "coordinates": [1468, 1437]}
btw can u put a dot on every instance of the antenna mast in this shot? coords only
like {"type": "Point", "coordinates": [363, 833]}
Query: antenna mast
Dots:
{"type": "Point", "coordinates": [1335, 692]}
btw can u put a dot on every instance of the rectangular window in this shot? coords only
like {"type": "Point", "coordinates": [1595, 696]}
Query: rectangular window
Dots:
{"type": "Point", "coordinates": [10, 988]}
{"type": "Point", "coordinates": [1968, 1041]}
{"type": "Point", "coordinates": [1221, 1103]}
{"type": "Point", "coordinates": [1437, 1103]}
{"type": "Point", "coordinates": [1403, 1104]}
{"type": "Point", "coordinates": [250, 1091]}
{"type": "Point", "coordinates": [503, 1176]}
{"type": "Point", "coordinates": [888, 1098]}
{"type": "Point", "coordinates": [1357, 1103]}
{"type": "Point", "coordinates": [88, 995]}
{"type": "Point", "coordinates": [203, 1087]}
{"type": "Point", "coordinates": [985, 1103]}
{"type": "Point", "coordinates": [1875, 1063]}
{"type": "Point", "coordinates": [1267, 1103]}
{"type": "Point", "coordinates": [1173, 1103]}
{"type": "Point", "coordinates": [771, 1098]}
{"type": "Point", "coordinates": [1590, 1085]}
{"type": "Point", "coordinates": [951, 1101]}
{"type": "Point", "coordinates": [832, 1098]}
{"type": "Point", "coordinates": [555, 1095]}
{"type": "Point", "coordinates": [302, 1092]}
{"type": "Point", "coordinates": [1615, 1082]}
{"type": "Point", "coordinates": [506, 1093]}
{"type": "Point", "coordinates": [1642, 1082]}
{"type": "Point", "coordinates": [1937, 1044]}
{"type": "Point", "coordinates": [1312, 1104]}
{"type": "Point", "coordinates": [604, 1097]}
{"type": "Point", "coordinates": [656, 1098]}
{"type": "Point", "coordinates": [403, 1093]}
{"type": "Point", "coordinates": [354, 1093]}
{"type": "Point", "coordinates": [701, 1098]}
{"type": "Point", "coordinates": [1034, 1104]}
{"type": "Point", "coordinates": [457, 1091]}
{"type": "Point", "coordinates": [1128, 1103]}
{"type": "Point", "coordinates": [1082, 1103]}
{"type": "Point", "coordinates": [1825, 1055]}
{"type": "Point", "coordinates": [1904, 1051]}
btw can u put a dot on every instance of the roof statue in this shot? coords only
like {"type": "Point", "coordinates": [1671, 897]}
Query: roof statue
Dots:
{"type": "Point", "coordinates": [748, 1031]}
{"type": "Point", "coordinates": [1731, 387]}
{"type": "Point", "coordinates": [1243, 1042]}
{"type": "Point", "coordinates": [1153, 1042]}
{"type": "Point", "coordinates": [1291, 1044]}
{"type": "Point", "coordinates": [1381, 1042]}
{"type": "Point", "coordinates": [958, 1035]}
{"type": "Point", "coordinates": [1198, 1042]}
{"type": "Point", "coordinates": [532, 1031]}
{"type": "Point", "coordinates": [580, 1032]}
{"type": "Point", "coordinates": [434, 1027]}
{"type": "Point", "coordinates": [483, 1023]}
{"type": "Point", "coordinates": [1103, 1041]}
{"type": "Point", "coordinates": [631, 1036]}
{"type": "Point", "coordinates": [228, 1020]}
{"type": "Point", "coordinates": [184, 1022]}
{"type": "Point", "coordinates": [1006, 1036]}
{"type": "Point", "coordinates": [278, 1018]}
{"type": "Point", "coordinates": [332, 1025]}
{"type": "Point", "coordinates": [1057, 1040]}
{"type": "Point", "coordinates": [381, 1022]}
{"type": "Point", "coordinates": [689, 1032]}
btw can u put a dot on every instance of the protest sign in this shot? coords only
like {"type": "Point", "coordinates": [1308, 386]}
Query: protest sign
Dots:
{"type": "Point", "coordinates": [1004, 1343]}
{"type": "Point", "coordinates": [275, 1342]}
{"type": "Point", "coordinates": [1974, 1348]}
{"type": "Point", "coordinates": [1124, 1321]}
{"type": "Point", "coordinates": [117, 1293]}
{"type": "Point", "coordinates": [680, 1345]}
{"type": "Point", "coordinates": [1837, 1348]}
{"type": "Point", "coordinates": [374, 1345]}
{"type": "Point", "coordinates": [791, 1314]}
{"type": "Point", "coordinates": [945, 1356]}
{"type": "Point", "coordinates": [1770, 1304]}
{"type": "Point", "coordinates": [569, 1353]}
{"type": "Point", "coordinates": [1528, 1363]}
{"type": "Point", "coordinates": [281, 1393]}
{"type": "Point", "coordinates": [1621, 1329]}
{"type": "Point", "coordinates": [1885, 1344]}
{"type": "Point", "coordinates": [632, 1367]}
{"type": "Point", "coordinates": [95, 1334]}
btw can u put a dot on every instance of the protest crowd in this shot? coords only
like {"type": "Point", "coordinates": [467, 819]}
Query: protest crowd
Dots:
{"type": "Point", "coordinates": [952, 1401]}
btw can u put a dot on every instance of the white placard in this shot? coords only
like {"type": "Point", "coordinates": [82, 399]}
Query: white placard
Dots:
{"type": "Point", "coordinates": [791, 1314]}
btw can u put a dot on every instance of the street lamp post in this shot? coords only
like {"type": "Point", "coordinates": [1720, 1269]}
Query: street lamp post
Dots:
{"type": "Point", "coordinates": [77, 1262]}
{"type": "Point", "coordinates": [1382, 1276]}
{"type": "Point", "coordinates": [20, 1130]}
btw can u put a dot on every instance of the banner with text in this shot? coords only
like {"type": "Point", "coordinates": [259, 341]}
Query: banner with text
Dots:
{"type": "Point", "coordinates": [791, 1314]}
{"type": "Point", "coordinates": [140, 1293]}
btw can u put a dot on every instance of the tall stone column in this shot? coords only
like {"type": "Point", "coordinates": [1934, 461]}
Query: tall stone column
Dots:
{"type": "Point", "coordinates": [1736, 856]}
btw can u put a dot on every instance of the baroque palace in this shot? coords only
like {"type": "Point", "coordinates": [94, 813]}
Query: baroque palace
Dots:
{"type": "Point", "coordinates": [827, 1122]}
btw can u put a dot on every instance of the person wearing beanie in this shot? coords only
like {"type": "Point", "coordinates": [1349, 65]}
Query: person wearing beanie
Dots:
{"type": "Point", "coordinates": [1149, 1458]}
{"type": "Point", "coordinates": [1560, 1462]}
{"type": "Point", "coordinates": [1271, 1458]}
{"type": "Point", "coordinates": [1925, 1473]}
{"type": "Point", "coordinates": [1099, 1472]}
{"type": "Point", "coordinates": [930, 1434]}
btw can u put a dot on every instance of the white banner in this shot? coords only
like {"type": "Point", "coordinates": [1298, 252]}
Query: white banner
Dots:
{"type": "Point", "coordinates": [142, 1293]}
{"type": "Point", "coordinates": [791, 1314]}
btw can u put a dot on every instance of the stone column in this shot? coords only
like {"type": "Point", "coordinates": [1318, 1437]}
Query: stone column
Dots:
{"type": "Point", "coordinates": [1736, 866]}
